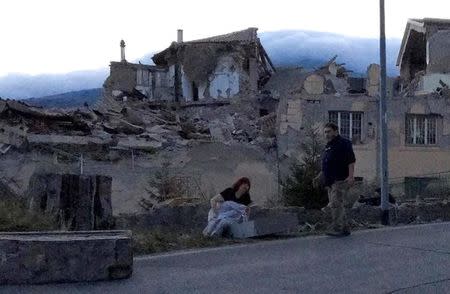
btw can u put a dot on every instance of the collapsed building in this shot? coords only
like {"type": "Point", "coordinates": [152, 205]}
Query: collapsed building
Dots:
{"type": "Point", "coordinates": [147, 118]}
{"type": "Point", "coordinates": [211, 70]}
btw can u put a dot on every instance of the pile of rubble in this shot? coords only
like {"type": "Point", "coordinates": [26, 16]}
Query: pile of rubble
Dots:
{"type": "Point", "coordinates": [137, 125]}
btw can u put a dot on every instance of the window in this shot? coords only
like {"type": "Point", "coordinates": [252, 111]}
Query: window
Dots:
{"type": "Point", "coordinates": [420, 129]}
{"type": "Point", "coordinates": [349, 123]}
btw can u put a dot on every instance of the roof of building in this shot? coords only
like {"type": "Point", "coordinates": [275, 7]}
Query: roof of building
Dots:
{"type": "Point", "coordinates": [247, 35]}
{"type": "Point", "coordinates": [431, 20]}
{"type": "Point", "coordinates": [418, 25]}
{"type": "Point", "coordinates": [286, 80]}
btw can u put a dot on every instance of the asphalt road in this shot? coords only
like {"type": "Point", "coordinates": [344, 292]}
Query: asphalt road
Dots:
{"type": "Point", "coordinates": [413, 259]}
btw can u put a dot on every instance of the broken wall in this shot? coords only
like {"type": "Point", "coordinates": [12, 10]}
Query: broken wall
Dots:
{"type": "Point", "coordinates": [224, 81]}
{"type": "Point", "coordinates": [438, 55]}
{"type": "Point", "coordinates": [125, 78]}
{"type": "Point", "coordinates": [296, 115]}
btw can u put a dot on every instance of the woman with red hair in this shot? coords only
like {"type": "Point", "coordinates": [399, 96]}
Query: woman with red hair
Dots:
{"type": "Point", "coordinates": [238, 192]}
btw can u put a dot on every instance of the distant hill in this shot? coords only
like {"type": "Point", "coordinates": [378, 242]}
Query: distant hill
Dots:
{"type": "Point", "coordinates": [21, 86]}
{"type": "Point", "coordinates": [67, 100]}
{"type": "Point", "coordinates": [285, 48]}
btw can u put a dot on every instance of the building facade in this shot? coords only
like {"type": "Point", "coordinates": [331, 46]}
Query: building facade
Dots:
{"type": "Point", "coordinates": [418, 120]}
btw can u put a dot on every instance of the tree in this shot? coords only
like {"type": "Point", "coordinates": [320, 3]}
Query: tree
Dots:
{"type": "Point", "coordinates": [298, 189]}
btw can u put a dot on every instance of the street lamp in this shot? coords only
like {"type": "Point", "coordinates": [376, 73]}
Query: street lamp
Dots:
{"type": "Point", "coordinates": [384, 171]}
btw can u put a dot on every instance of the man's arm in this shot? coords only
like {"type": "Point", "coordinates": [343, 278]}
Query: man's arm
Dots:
{"type": "Point", "coordinates": [351, 173]}
{"type": "Point", "coordinates": [351, 165]}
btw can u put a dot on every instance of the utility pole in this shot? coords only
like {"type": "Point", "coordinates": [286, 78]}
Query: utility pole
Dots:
{"type": "Point", "coordinates": [384, 170]}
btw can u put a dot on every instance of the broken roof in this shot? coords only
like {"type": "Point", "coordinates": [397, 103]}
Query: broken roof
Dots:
{"type": "Point", "coordinates": [247, 35]}
{"type": "Point", "coordinates": [420, 26]}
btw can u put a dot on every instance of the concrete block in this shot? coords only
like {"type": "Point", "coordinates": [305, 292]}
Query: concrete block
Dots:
{"type": "Point", "coordinates": [45, 257]}
{"type": "Point", "coordinates": [265, 226]}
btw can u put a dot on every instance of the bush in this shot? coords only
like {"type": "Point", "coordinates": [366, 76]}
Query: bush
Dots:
{"type": "Point", "coordinates": [15, 217]}
{"type": "Point", "coordinates": [298, 189]}
{"type": "Point", "coordinates": [166, 185]}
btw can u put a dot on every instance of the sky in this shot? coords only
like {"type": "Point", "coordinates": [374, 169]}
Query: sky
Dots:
{"type": "Point", "coordinates": [58, 36]}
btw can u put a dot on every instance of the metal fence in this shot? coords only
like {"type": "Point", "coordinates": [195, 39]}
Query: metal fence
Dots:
{"type": "Point", "coordinates": [426, 186]}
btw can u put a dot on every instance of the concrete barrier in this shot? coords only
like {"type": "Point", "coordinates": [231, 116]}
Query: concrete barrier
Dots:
{"type": "Point", "coordinates": [44, 257]}
{"type": "Point", "coordinates": [263, 226]}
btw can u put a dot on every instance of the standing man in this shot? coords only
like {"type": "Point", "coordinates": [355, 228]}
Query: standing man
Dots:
{"type": "Point", "coordinates": [337, 175]}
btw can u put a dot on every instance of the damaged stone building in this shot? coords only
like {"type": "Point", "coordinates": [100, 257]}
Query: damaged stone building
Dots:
{"type": "Point", "coordinates": [210, 70]}
{"type": "Point", "coordinates": [418, 107]}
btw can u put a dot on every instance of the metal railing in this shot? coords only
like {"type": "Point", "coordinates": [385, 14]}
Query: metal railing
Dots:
{"type": "Point", "coordinates": [425, 186]}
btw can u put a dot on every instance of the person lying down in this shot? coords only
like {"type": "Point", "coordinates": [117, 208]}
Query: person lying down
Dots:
{"type": "Point", "coordinates": [231, 205]}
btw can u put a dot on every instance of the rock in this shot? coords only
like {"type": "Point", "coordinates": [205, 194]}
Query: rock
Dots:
{"type": "Point", "coordinates": [132, 116]}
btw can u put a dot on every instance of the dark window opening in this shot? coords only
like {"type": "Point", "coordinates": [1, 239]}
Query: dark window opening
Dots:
{"type": "Point", "coordinates": [356, 85]}
{"type": "Point", "coordinates": [43, 202]}
{"type": "Point", "coordinates": [263, 112]}
{"type": "Point", "coordinates": [194, 91]}
{"type": "Point", "coordinates": [416, 54]}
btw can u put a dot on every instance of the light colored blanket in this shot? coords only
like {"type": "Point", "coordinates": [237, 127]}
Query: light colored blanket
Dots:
{"type": "Point", "coordinates": [228, 213]}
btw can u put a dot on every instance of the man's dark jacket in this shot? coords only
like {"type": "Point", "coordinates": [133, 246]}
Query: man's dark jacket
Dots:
{"type": "Point", "coordinates": [336, 158]}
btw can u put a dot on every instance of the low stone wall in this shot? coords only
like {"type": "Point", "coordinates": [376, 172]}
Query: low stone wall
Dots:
{"type": "Point", "coordinates": [43, 257]}
{"type": "Point", "coordinates": [194, 216]}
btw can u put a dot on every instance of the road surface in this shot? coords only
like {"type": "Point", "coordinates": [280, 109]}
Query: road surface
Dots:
{"type": "Point", "coordinates": [413, 259]}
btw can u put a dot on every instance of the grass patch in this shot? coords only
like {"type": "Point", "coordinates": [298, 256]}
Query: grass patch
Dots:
{"type": "Point", "coordinates": [163, 239]}
{"type": "Point", "coordinates": [15, 217]}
